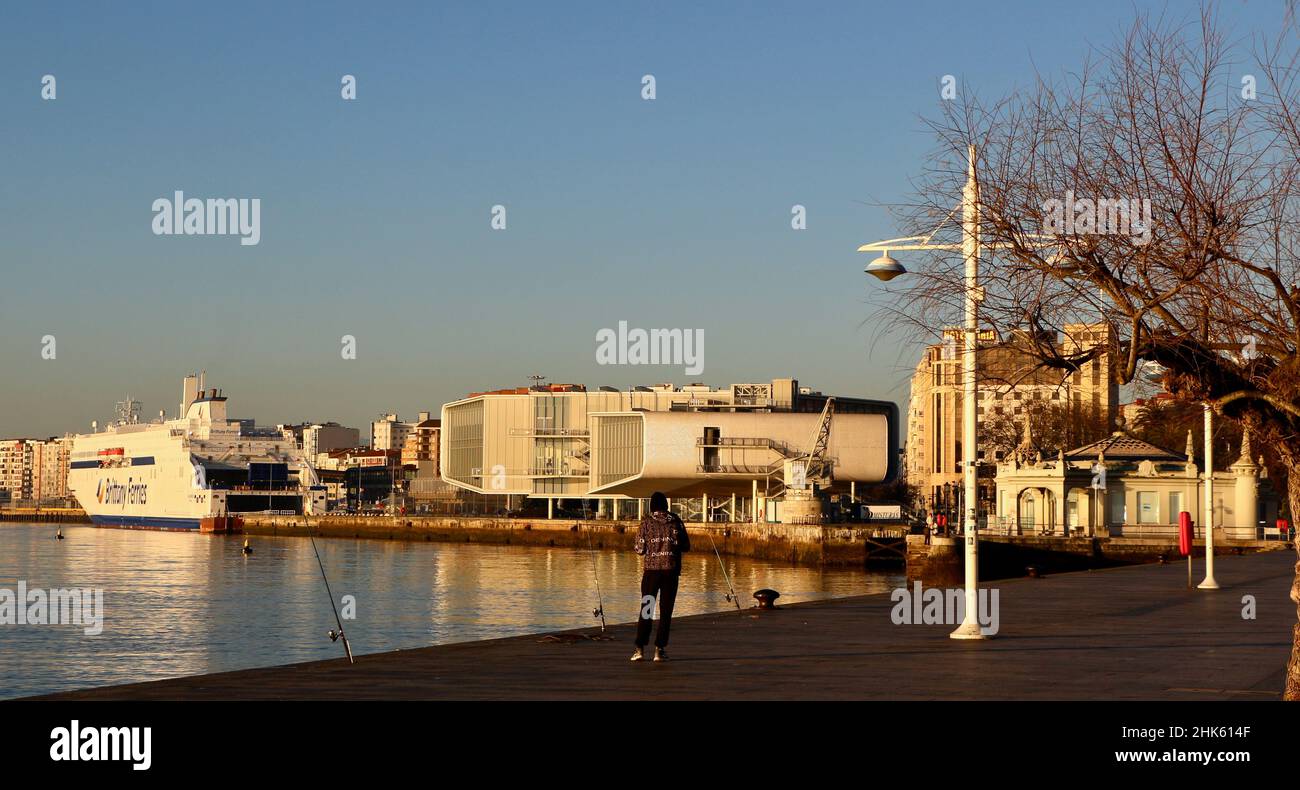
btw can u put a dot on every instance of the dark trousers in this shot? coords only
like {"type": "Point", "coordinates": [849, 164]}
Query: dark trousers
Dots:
{"type": "Point", "coordinates": [661, 585]}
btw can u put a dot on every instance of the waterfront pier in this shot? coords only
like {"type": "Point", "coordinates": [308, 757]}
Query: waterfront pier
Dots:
{"type": "Point", "coordinates": [44, 515]}
{"type": "Point", "coordinates": [1126, 633]}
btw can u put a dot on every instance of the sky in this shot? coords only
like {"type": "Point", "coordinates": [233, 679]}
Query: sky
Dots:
{"type": "Point", "coordinates": [376, 212]}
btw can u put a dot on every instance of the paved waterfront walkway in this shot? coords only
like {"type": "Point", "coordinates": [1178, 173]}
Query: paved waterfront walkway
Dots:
{"type": "Point", "coordinates": [1122, 633]}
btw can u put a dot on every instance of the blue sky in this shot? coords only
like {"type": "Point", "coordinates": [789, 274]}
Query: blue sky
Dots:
{"type": "Point", "coordinates": [375, 212]}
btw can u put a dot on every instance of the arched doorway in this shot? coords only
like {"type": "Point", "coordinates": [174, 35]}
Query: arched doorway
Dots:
{"type": "Point", "coordinates": [1049, 512]}
{"type": "Point", "coordinates": [1026, 508]}
{"type": "Point", "coordinates": [1036, 512]}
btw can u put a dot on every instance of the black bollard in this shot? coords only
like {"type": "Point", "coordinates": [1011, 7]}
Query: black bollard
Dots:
{"type": "Point", "coordinates": [767, 598]}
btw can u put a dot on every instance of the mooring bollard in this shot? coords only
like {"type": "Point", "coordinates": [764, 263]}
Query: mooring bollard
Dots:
{"type": "Point", "coordinates": [767, 598]}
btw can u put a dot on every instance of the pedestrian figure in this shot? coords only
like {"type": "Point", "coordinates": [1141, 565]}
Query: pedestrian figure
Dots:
{"type": "Point", "coordinates": [661, 539]}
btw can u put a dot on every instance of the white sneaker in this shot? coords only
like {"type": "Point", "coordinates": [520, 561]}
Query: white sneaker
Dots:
{"type": "Point", "coordinates": [639, 655]}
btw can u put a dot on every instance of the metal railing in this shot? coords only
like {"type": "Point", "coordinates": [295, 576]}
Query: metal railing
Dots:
{"type": "Point", "coordinates": [726, 469]}
{"type": "Point", "coordinates": [1011, 526]}
{"type": "Point", "coordinates": [553, 432]}
{"type": "Point", "coordinates": [1169, 531]}
{"type": "Point", "coordinates": [565, 470]}
{"type": "Point", "coordinates": [746, 441]}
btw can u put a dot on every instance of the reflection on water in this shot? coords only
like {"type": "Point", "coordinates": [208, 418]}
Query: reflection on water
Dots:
{"type": "Point", "coordinates": [183, 604]}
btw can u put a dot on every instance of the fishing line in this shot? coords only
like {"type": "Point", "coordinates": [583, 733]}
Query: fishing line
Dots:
{"type": "Point", "coordinates": [333, 635]}
{"type": "Point", "coordinates": [600, 601]}
{"type": "Point", "coordinates": [732, 596]}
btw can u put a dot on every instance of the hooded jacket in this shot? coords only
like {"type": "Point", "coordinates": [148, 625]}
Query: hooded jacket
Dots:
{"type": "Point", "coordinates": [661, 539]}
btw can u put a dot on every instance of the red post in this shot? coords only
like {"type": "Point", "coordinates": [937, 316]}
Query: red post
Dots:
{"type": "Point", "coordinates": [1185, 537]}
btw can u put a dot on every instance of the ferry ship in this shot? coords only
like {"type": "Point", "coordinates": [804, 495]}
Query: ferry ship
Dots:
{"type": "Point", "coordinates": [199, 472]}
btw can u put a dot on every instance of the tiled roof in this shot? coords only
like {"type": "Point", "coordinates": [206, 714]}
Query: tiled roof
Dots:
{"type": "Point", "coordinates": [1120, 446]}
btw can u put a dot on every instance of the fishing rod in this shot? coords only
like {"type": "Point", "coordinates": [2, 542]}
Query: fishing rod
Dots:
{"type": "Point", "coordinates": [732, 595]}
{"type": "Point", "coordinates": [333, 635]}
{"type": "Point", "coordinates": [599, 611]}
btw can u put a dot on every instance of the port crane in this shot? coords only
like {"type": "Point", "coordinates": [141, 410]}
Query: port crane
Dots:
{"type": "Point", "coordinates": [817, 467]}
{"type": "Point", "coordinates": [800, 472]}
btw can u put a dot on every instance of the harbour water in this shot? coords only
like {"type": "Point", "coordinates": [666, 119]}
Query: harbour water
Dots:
{"type": "Point", "coordinates": [180, 604]}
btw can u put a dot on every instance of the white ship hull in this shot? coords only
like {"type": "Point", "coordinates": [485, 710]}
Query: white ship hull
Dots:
{"type": "Point", "coordinates": [188, 473]}
{"type": "Point", "coordinates": [148, 485]}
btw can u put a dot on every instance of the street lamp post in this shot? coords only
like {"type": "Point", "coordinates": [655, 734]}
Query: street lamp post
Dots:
{"type": "Point", "coordinates": [886, 268]}
{"type": "Point", "coordinates": [970, 249]}
{"type": "Point", "coordinates": [1209, 583]}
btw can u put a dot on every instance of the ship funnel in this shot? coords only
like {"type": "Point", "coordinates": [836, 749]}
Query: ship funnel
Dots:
{"type": "Point", "coordinates": [189, 392]}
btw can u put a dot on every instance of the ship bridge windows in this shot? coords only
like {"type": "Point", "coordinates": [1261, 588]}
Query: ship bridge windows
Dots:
{"type": "Point", "coordinates": [254, 477]}
{"type": "Point", "coordinates": [252, 503]}
{"type": "Point", "coordinates": [268, 475]}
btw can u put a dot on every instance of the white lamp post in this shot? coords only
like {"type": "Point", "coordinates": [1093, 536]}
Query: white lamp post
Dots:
{"type": "Point", "coordinates": [1209, 583]}
{"type": "Point", "coordinates": [886, 268]}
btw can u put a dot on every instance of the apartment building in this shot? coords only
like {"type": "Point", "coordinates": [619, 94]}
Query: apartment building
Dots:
{"type": "Point", "coordinates": [328, 436]}
{"type": "Point", "coordinates": [16, 469]}
{"type": "Point", "coordinates": [34, 470]}
{"type": "Point", "coordinates": [389, 433]}
{"type": "Point", "coordinates": [421, 446]}
{"type": "Point", "coordinates": [1011, 383]}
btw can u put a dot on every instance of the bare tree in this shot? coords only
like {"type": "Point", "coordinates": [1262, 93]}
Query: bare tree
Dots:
{"type": "Point", "coordinates": [1174, 120]}
{"type": "Point", "coordinates": [1166, 423]}
{"type": "Point", "coordinates": [1054, 427]}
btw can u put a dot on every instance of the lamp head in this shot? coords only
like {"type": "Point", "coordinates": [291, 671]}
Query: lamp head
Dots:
{"type": "Point", "coordinates": [885, 268]}
{"type": "Point", "coordinates": [1152, 371]}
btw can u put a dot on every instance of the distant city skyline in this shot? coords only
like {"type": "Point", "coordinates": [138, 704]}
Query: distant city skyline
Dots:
{"type": "Point", "coordinates": [375, 213]}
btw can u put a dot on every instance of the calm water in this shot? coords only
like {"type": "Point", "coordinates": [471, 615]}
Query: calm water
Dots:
{"type": "Point", "coordinates": [183, 604]}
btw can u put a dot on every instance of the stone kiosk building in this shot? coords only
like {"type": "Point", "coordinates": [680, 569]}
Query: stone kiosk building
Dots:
{"type": "Point", "coordinates": [1145, 489]}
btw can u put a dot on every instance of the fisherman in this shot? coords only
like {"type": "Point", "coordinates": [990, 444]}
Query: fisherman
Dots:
{"type": "Point", "coordinates": [661, 539]}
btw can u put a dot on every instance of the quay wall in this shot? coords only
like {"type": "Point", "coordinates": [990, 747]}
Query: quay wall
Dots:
{"type": "Point", "coordinates": [803, 544]}
{"type": "Point", "coordinates": [52, 515]}
{"type": "Point", "coordinates": [937, 562]}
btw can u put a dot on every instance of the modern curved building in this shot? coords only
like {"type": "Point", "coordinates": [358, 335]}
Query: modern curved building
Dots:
{"type": "Point", "coordinates": [566, 442]}
{"type": "Point", "coordinates": [698, 452]}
